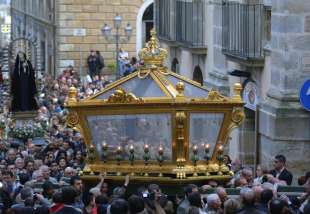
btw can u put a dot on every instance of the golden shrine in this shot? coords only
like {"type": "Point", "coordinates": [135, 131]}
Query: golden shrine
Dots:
{"type": "Point", "coordinates": [156, 124]}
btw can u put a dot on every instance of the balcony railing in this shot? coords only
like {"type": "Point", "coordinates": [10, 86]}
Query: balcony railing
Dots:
{"type": "Point", "coordinates": [190, 27]}
{"type": "Point", "coordinates": [182, 22]}
{"type": "Point", "coordinates": [242, 34]}
{"type": "Point", "coordinates": [165, 16]}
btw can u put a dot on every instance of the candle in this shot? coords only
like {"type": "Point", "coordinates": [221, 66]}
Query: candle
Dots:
{"type": "Point", "coordinates": [104, 145]}
{"type": "Point", "coordinates": [220, 149]}
{"type": "Point", "coordinates": [160, 150]}
{"type": "Point", "coordinates": [119, 150]}
{"type": "Point", "coordinates": [131, 148]}
{"type": "Point", "coordinates": [207, 147]}
{"type": "Point", "coordinates": [195, 148]}
{"type": "Point", "coordinates": [146, 148]}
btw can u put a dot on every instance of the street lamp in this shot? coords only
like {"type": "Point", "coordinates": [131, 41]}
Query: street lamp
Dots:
{"type": "Point", "coordinates": [116, 38]}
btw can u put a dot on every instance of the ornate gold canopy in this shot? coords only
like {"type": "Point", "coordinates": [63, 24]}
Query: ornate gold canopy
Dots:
{"type": "Point", "coordinates": [157, 123]}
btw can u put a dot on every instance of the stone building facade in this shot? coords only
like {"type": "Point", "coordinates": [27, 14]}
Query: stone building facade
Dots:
{"type": "Point", "coordinates": [5, 33]}
{"type": "Point", "coordinates": [79, 24]}
{"type": "Point", "coordinates": [33, 31]}
{"type": "Point", "coordinates": [266, 50]}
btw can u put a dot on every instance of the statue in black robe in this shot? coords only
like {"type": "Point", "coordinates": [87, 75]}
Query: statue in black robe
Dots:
{"type": "Point", "coordinates": [23, 85]}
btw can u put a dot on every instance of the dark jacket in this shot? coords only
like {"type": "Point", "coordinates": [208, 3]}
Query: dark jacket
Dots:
{"type": "Point", "coordinates": [68, 209]}
{"type": "Point", "coordinates": [23, 210]}
{"type": "Point", "coordinates": [262, 207]}
{"type": "Point", "coordinates": [92, 62]}
{"type": "Point", "coordinates": [250, 210]}
{"type": "Point", "coordinates": [284, 176]}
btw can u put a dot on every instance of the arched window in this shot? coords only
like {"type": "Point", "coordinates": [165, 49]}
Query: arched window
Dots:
{"type": "Point", "coordinates": [148, 22]}
{"type": "Point", "coordinates": [175, 65]}
{"type": "Point", "coordinates": [197, 76]}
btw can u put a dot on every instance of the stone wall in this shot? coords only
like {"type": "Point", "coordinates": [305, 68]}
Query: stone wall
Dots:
{"type": "Point", "coordinates": [284, 126]}
{"type": "Point", "coordinates": [216, 62]}
{"type": "Point", "coordinates": [91, 16]}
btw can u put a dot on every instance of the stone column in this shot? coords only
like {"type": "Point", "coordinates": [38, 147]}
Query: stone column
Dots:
{"type": "Point", "coordinates": [284, 126]}
{"type": "Point", "coordinates": [216, 62]}
{"type": "Point", "coordinates": [186, 63]}
{"type": "Point", "coordinates": [38, 55]}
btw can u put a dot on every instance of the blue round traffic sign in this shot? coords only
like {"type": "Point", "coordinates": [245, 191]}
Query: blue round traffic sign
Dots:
{"type": "Point", "coordinates": [304, 95]}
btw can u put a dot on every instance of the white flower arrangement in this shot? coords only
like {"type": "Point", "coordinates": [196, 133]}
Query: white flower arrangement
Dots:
{"type": "Point", "coordinates": [31, 130]}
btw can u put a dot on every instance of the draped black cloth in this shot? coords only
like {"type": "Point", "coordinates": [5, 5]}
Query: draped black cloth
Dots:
{"type": "Point", "coordinates": [23, 86]}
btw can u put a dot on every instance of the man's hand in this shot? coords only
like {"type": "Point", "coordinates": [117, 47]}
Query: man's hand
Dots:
{"type": "Point", "coordinates": [102, 176]}
{"type": "Point", "coordinates": [61, 183]}
{"type": "Point", "coordinates": [39, 197]}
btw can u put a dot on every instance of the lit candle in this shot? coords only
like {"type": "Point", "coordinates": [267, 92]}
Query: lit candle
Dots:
{"type": "Point", "coordinates": [195, 148]}
{"type": "Point", "coordinates": [146, 148]}
{"type": "Point", "coordinates": [160, 150]}
{"type": "Point", "coordinates": [207, 147]}
{"type": "Point", "coordinates": [220, 149]}
{"type": "Point", "coordinates": [119, 150]}
{"type": "Point", "coordinates": [104, 145]}
{"type": "Point", "coordinates": [131, 148]}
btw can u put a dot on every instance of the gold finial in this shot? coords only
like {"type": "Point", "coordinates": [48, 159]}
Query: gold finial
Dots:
{"type": "Point", "coordinates": [180, 88]}
{"type": "Point", "coordinates": [72, 94]}
{"type": "Point", "coordinates": [152, 54]}
{"type": "Point", "coordinates": [237, 92]}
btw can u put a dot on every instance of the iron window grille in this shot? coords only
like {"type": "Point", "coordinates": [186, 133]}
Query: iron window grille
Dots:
{"type": "Point", "coordinates": [165, 14]}
{"type": "Point", "coordinates": [190, 23]}
{"type": "Point", "coordinates": [182, 21]}
{"type": "Point", "coordinates": [243, 30]}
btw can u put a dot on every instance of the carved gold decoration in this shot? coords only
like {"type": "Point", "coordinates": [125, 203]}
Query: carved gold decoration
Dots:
{"type": "Point", "coordinates": [237, 115]}
{"type": "Point", "coordinates": [213, 168]}
{"type": "Point", "coordinates": [172, 101]}
{"type": "Point", "coordinates": [214, 95]}
{"type": "Point", "coordinates": [72, 119]}
{"type": "Point", "coordinates": [87, 169]}
{"type": "Point", "coordinates": [180, 88]}
{"type": "Point", "coordinates": [153, 58]}
{"type": "Point", "coordinates": [152, 54]}
{"type": "Point", "coordinates": [224, 168]}
{"type": "Point", "coordinates": [120, 96]}
{"type": "Point", "coordinates": [180, 135]}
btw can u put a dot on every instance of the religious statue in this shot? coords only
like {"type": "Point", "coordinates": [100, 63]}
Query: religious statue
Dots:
{"type": "Point", "coordinates": [23, 86]}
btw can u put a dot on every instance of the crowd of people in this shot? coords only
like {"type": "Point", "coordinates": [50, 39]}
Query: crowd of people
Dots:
{"type": "Point", "coordinates": [95, 62]}
{"type": "Point", "coordinates": [127, 66]}
{"type": "Point", "coordinates": [44, 178]}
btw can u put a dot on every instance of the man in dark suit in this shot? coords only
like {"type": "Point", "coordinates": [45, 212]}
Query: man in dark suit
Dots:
{"type": "Point", "coordinates": [68, 198]}
{"type": "Point", "coordinates": [280, 172]}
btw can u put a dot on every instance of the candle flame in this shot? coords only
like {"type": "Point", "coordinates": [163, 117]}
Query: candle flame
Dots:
{"type": "Point", "coordinates": [207, 146]}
